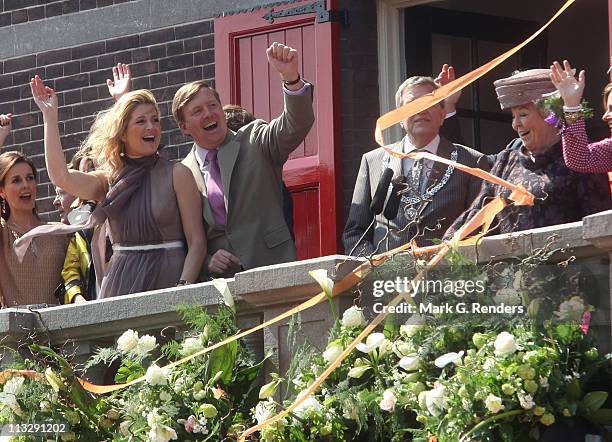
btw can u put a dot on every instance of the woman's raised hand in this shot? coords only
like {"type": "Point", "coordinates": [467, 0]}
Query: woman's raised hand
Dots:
{"type": "Point", "coordinates": [44, 97]}
{"type": "Point", "coordinates": [564, 79]}
{"type": "Point", "coordinates": [122, 77]}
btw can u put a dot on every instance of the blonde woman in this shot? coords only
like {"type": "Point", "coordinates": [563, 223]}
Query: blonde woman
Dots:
{"type": "Point", "coordinates": [152, 206]}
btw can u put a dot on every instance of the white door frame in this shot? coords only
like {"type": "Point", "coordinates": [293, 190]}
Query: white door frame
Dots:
{"type": "Point", "coordinates": [391, 62]}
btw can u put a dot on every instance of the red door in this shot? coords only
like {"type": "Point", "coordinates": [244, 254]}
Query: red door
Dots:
{"type": "Point", "coordinates": [243, 76]}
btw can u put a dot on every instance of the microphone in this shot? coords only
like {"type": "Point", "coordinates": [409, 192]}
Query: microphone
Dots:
{"type": "Point", "coordinates": [393, 203]}
{"type": "Point", "coordinates": [378, 201]}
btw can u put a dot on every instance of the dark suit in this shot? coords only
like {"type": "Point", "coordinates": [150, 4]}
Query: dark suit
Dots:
{"type": "Point", "coordinates": [437, 214]}
{"type": "Point", "coordinates": [251, 162]}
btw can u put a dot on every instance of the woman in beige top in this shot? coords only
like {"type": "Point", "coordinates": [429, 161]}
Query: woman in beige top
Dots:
{"type": "Point", "coordinates": [36, 278]}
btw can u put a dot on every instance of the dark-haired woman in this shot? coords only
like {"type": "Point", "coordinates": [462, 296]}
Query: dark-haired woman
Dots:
{"type": "Point", "coordinates": [34, 280]}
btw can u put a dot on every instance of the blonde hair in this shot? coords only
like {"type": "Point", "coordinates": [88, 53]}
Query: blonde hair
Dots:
{"type": "Point", "coordinates": [104, 139]}
{"type": "Point", "coordinates": [184, 96]}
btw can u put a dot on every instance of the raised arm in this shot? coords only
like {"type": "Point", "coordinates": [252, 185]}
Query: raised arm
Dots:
{"type": "Point", "coordinates": [121, 82]}
{"type": "Point", "coordinates": [285, 133]}
{"type": "Point", "coordinates": [5, 127]}
{"type": "Point", "coordinates": [87, 186]}
{"type": "Point", "coordinates": [578, 154]}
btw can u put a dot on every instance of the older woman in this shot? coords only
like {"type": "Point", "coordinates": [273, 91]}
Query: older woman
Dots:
{"type": "Point", "coordinates": [578, 153]}
{"type": "Point", "coordinates": [34, 280]}
{"type": "Point", "coordinates": [151, 205]}
{"type": "Point", "coordinates": [535, 161]}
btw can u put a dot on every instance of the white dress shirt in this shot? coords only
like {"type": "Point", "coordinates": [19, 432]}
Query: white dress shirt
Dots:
{"type": "Point", "coordinates": [407, 163]}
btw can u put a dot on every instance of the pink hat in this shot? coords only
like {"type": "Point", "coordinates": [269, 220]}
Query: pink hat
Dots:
{"type": "Point", "coordinates": [523, 87]}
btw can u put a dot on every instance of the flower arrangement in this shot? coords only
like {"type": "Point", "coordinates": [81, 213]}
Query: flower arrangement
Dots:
{"type": "Point", "coordinates": [206, 398]}
{"type": "Point", "coordinates": [454, 377]}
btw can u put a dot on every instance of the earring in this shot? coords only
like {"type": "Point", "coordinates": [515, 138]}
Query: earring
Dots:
{"type": "Point", "coordinates": [121, 154]}
{"type": "Point", "coordinates": [3, 208]}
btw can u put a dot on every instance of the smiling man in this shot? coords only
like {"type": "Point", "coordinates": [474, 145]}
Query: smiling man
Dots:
{"type": "Point", "coordinates": [240, 173]}
{"type": "Point", "coordinates": [434, 194]}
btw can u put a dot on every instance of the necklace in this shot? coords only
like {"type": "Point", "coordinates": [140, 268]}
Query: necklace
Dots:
{"type": "Point", "coordinates": [409, 210]}
{"type": "Point", "coordinates": [15, 230]}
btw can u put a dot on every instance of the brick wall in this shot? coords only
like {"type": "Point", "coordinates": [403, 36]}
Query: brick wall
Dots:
{"type": "Point", "coordinates": [13, 12]}
{"type": "Point", "coordinates": [359, 83]}
{"type": "Point", "coordinates": [161, 60]}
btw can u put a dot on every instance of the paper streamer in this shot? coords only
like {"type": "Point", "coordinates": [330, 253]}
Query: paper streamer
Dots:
{"type": "Point", "coordinates": [483, 218]}
{"type": "Point", "coordinates": [414, 107]}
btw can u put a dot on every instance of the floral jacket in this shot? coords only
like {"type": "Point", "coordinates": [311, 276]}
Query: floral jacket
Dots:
{"type": "Point", "coordinates": [562, 195]}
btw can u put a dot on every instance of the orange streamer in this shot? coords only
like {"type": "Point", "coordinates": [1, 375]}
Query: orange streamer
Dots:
{"type": "Point", "coordinates": [483, 218]}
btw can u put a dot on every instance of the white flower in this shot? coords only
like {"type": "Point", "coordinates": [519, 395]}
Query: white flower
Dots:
{"type": "Point", "coordinates": [388, 401]}
{"type": "Point", "coordinates": [488, 364]}
{"type": "Point", "coordinates": [45, 407]}
{"type": "Point", "coordinates": [373, 341]}
{"type": "Point", "coordinates": [191, 346]}
{"type": "Point", "coordinates": [544, 382]}
{"type": "Point", "coordinates": [309, 404]}
{"type": "Point", "coordinates": [353, 318]}
{"type": "Point", "coordinates": [332, 352]}
{"type": "Point", "coordinates": [494, 403]}
{"type": "Point", "coordinates": [357, 372]}
{"type": "Point", "coordinates": [162, 433]}
{"type": "Point", "coordinates": [448, 358]}
{"type": "Point", "coordinates": [9, 400]}
{"type": "Point", "coordinates": [571, 310]}
{"type": "Point", "coordinates": [156, 375]}
{"type": "Point", "coordinates": [413, 325]}
{"type": "Point", "coordinates": [124, 428]}
{"type": "Point", "coordinates": [505, 344]}
{"type": "Point", "coordinates": [436, 399]}
{"type": "Point", "coordinates": [264, 410]}
{"type": "Point", "coordinates": [164, 396]}
{"type": "Point", "coordinates": [526, 401]}
{"type": "Point", "coordinates": [508, 297]}
{"type": "Point", "coordinates": [127, 341]}
{"type": "Point", "coordinates": [145, 344]}
{"type": "Point", "coordinates": [14, 385]}
{"type": "Point", "coordinates": [402, 348]}
{"type": "Point", "coordinates": [410, 362]}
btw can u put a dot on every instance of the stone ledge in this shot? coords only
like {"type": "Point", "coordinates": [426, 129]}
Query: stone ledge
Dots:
{"type": "Point", "coordinates": [568, 236]}
{"type": "Point", "coordinates": [289, 282]}
{"type": "Point", "coordinates": [597, 229]}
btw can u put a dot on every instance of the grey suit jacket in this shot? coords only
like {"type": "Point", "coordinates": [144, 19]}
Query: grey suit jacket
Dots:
{"type": "Point", "coordinates": [251, 162]}
{"type": "Point", "coordinates": [435, 216]}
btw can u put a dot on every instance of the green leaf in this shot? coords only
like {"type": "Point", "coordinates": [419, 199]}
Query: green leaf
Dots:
{"type": "Point", "coordinates": [573, 390]}
{"type": "Point", "coordinates": [222, 359]}
{"type": "Point", "coordinates": [603, 416]}
{"type": "Point", "coordinates": [129, 371]}
{"type": "Point", "coordinates": [250, 373]}
{"type": "Point", "coordinates": [594, 400]}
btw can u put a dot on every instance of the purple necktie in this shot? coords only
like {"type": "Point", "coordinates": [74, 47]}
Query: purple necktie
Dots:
{"type": "Point", "coordinates": [214, 188]}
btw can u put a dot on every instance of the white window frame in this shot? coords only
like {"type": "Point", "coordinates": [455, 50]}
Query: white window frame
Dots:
{"type": "Point", "coordinates": [391, 62]}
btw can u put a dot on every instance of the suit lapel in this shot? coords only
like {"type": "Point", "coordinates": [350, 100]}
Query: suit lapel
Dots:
{"type": "Point", "coordinates": [228, 153]}
{"type": "Point", "coordinates": [191, 162]}
{"type": "Point", "coordinates": [396, 163]}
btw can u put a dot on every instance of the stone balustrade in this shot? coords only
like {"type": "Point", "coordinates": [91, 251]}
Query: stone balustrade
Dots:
{"type": "Point", "coordinates": [263, 293]}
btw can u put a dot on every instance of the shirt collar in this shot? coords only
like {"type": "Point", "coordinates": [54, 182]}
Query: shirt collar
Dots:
{"type": "Point", "coordinates": [432, 147]}
{"type": "Point", "coordinates": [200, 154]}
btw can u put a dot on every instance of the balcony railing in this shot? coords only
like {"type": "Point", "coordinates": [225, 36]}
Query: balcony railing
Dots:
{"type": "Point", "coordinates": [263, 293]}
